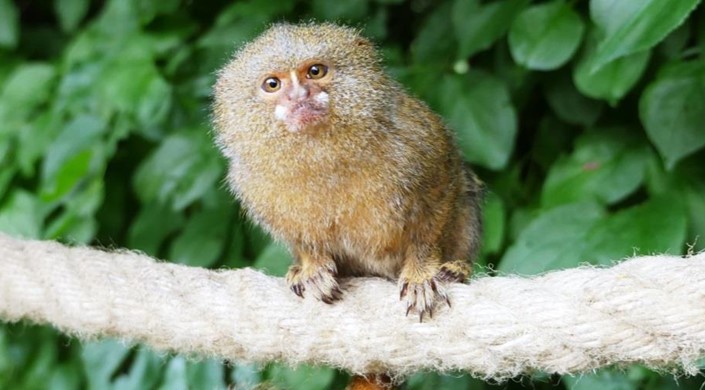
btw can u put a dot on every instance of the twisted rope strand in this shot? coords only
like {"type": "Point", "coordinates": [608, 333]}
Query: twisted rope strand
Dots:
{"type": "Point", "coordinates": [648, 310]}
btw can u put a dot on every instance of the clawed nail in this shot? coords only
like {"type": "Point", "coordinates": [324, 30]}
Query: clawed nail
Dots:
{"type": "Point", "coordinates": [402, 293]}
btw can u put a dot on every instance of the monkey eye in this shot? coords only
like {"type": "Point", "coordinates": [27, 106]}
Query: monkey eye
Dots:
{"type": "Point", "coordinates": [317, 71]}
{"type": "Point", "coordinates": [271, 84]}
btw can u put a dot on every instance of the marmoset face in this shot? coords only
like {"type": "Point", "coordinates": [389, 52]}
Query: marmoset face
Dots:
{"type": "Point", "coordinates": [296, 81]}
{"type": "Point", "coordinates": [299, 97]}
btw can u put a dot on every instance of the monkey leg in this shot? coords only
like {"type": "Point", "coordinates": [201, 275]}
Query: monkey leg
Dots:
{"type": "Point", "coordinates": [315, 274]}
{"type": "Point", "coordinates": [371, 382]}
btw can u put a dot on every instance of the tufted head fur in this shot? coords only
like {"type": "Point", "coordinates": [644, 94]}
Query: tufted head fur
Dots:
{"type": "Point", "coordinates": [354, 67]}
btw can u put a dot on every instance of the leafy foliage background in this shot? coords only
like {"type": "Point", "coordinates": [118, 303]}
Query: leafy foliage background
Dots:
{"type": "Point", "coordinates": [585, 118]}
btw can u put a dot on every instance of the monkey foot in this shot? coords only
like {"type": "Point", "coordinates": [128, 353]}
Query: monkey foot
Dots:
{"type": "Point", "coordinates": [421, 293]}
{"type": "Point", "coordinates": [456, 271]}
{"type": "Point", "coordinates": [421, 296]}
{"type": "Point", "coordinates": [319, 281]}
{"type": "Point", "coordinates": [371, 382]}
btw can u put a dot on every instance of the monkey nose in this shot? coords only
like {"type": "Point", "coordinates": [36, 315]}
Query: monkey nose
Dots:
{"type": "Point", "coordinates": [298, 93]}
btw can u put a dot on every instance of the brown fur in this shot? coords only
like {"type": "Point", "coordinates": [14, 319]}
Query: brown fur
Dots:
{"type": "Point", "coordinates": [379, 190]}
{"type": "Point", "coordinates": [370, 382]}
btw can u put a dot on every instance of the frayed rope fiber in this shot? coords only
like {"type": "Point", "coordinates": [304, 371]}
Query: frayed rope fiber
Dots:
{"type": "Point", "coordinates": [648, 310]}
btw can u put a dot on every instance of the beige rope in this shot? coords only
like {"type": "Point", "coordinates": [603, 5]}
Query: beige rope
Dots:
{"type": "Point", "coordinates": [648, 310]}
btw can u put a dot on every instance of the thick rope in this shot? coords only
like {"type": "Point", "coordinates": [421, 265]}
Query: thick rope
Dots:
{"type": "Point", "coordinates": [648, 310]}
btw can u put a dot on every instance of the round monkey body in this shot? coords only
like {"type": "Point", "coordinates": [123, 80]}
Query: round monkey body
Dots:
{"type": "Point", "coordinates": [335, 159]}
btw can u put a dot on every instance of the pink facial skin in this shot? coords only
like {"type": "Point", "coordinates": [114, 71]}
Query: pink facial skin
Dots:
{"type": "Point", "coordinates": [299, 97]}
{"type": "Point", "coordinates": [302, 111]}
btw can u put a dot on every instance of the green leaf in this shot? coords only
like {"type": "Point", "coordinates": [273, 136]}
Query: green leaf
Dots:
{"type": "Point", "coordinates": [432, 44]}
{"type": "Point", "coordinates": [696, 209]}
{"type": "Point", "coordinates": [672, 109]}
{"type": "Point", "coordinates": [154, 103]}
{"type": "Point", "coordinates": [656, 226]}
{"type": "Point", "coordinates": [70, 13]}
{"type": "Point", "coordinates": [257, 239]}
{"type": "Point", "coordinates": [136, 87]}
{"type": "Point", "coordinates": [234, 26]}
{"type": "Point", "coordinates": [477, 26]}
{"type": "Point", "coordinates": [148, 10]}
{"type": "Point", "coordinates": [634, 26]}
{"type": "Point", "coordinates": [183, 168]}
{"type": "Point", "coordinates": [21, 215]}
{"type": "Point", "coordinates": [375, 28]}
{"type": "Point", "coordinates": [145, 371]}
{"type": "Point", "coordinates": [435, 381]}
{"type": "Point", "coordinates": [674, 45]}
{"type": "Point", "coordinates": [34, 139]}
{"type": "Point", "coordinates": [73, 155]}
{"type": "Point", "coordinates": [7, 159]}
{"type": "Point", "coordinates": [612, 81]}
{"type": "Point", "coordinates": [65, 376]}
{"type": "Point", "coordinates": [73, 228]}
{"type": "Point", "coordinates": [275, 260]}
{"type": "Point", "coordinates": [9, 24]}
{"type": "Point", "coordinates": [494, 217]}
{"type": "Point", "coordinates": [101, 359]}
{"type": "Point", "coordinates": [568, 235]}
{"type": "Point", "coordinates": [175, 376]}
{"type": "Point", "coordinates": [119, 18]}
{"type": "Point", "coordinates": [246, 376]}
{"type": "Point", "coordinates": [76, 221]}
{"type": "Point", "coordinates": [605, 379]}
{"type": "Point", "coordinates": [153, 224]}
{"type": "Point", "coordinates": [551, 141]}
{"type": "Point", "coordinates": [82, 52]}
{"type": "Point", "coordinates": [26, 88]}
{"type": "Point", "coordinates": [479, 109]}
{"type": "Point", "coordinates": [545, 36]}
{"type": "Point", "coordinates": [569, 104]}
{"type": "Point", "coordinates": [202, 240]}
{"type": "Point", "coordinates": [301, 377]}
{"type": "Point", "coordinates": [658, 182]}
{"type": "Point", "coordinates": [69, 174]}
{"type": "Point", "coordinates": [6, 175]}
{"type": "Point", "coordinates": [234, 256]}
{"type": "Point", "coordinates": [606, 165]}
{"type": "Point", "coordinates": [207, 374]}
{"type": "Point", "coordinates": [41, 365]}
{"type": "Point", "coordinates": [5, 364]}
{"type": "Point", "coordinates": [553, 240]}
{"type": "Point", "coordinates": [348, 10]}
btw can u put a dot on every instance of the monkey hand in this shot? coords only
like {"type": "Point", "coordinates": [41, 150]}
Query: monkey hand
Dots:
{"type": "Point", "coordinates": [422, 287]}
{"type": "Point", "coordinates": [319, 280]}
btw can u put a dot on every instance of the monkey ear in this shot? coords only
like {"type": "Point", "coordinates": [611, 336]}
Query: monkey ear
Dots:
{"type": "Point", "coordinates": [362, 42]}
{"type": "Point", "coordinates": [365, 45]}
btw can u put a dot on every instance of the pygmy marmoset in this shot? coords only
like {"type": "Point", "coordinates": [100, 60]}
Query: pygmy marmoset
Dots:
{"type": "Point", "coordinates": [335, 159]}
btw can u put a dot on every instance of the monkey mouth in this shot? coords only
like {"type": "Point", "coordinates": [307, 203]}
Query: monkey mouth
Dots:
{"type": "Point", "coordinates": [305, 115]}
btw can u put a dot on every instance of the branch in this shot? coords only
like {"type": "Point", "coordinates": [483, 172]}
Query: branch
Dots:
{"type": "Point", "coordinates": [648, 310]}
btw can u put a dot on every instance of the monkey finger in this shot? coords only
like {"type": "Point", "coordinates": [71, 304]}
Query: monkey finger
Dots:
{"type": "Point", "coordinates": [298, 289]}
{"type": "Point", "coordinates": [403, 291]}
